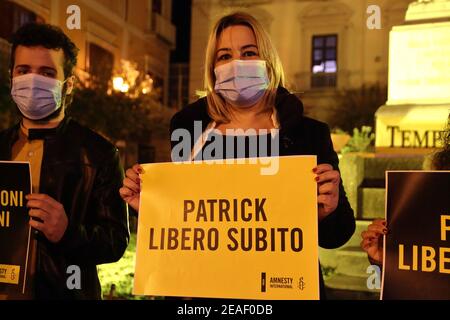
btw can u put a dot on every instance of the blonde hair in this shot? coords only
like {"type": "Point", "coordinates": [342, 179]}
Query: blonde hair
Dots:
{"type": "Point", "coordinates": [217, 107]}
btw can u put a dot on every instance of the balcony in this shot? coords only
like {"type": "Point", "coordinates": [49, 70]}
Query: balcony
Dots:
{"type": "Point", "coordinates": [322, 80]}
{"type": "Point", "coordinates": [164, 29]}
{"type": "Point", "coordinates": [342, 79]}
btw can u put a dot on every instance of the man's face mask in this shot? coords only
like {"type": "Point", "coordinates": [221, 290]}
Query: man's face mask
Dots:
{"type": "Point", "coordinates": [242, 83]}
{"type": "Point", "coordinates": [36, 96]}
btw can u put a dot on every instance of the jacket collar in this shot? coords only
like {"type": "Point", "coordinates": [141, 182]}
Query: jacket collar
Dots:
{"type": "Point", "coordinates": [289, 108]}
{"type": "Point", "coordinates": [41, 134]}
{"type": "Point", "coordinates": [10, 136]}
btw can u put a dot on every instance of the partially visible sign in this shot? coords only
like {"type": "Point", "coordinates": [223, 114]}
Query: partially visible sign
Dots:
{"type": "Point", "coordinates": [15, 232]}
{"type": "Point", "coordinates": [417, 246]}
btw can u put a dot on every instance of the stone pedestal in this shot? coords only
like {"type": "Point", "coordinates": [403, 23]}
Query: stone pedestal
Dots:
{"type": "Point", "coordinates": [418, 105]}
{"type": "Point", "coordinates": [409, 129]}
{"type": "Point", "coordinates": [423, 10]}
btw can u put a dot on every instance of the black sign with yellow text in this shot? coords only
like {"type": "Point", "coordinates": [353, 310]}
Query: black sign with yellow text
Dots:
{"type": "Point", "coordinates": [417, 246]}
{"type": "Point", "coordinates": [15, 184]}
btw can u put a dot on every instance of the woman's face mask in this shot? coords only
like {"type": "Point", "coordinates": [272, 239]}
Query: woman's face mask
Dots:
{"type": "Point", "coordinates": [36, 96]}
{"type": "Point", "coordinates": [242, 83]}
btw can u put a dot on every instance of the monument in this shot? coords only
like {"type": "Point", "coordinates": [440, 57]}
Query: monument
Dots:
{"type": "Point", "coordinates": [418, 104]}
{"type": "Point", "coordinates": [408, 127]}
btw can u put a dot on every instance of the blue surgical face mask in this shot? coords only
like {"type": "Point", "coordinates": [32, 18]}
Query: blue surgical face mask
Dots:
{"type": "Point", "coordinates": [36, 96]}
{"type": "Point", "coordinates": [242, 83]}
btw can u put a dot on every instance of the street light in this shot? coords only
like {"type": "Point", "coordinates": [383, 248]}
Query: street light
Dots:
{"type": "Point", "coordinates": [120, 85]}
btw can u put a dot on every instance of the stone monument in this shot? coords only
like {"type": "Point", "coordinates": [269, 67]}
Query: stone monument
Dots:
{"type": "Point", "coordinates": [415, 115]}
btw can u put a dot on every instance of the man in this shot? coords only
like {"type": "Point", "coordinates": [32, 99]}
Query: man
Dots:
{"type": "Point", "coordinates": [76, 212]}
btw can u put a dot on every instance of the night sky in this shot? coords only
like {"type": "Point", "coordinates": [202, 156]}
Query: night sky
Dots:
{"type": "Point", "coordinates": [181, 18]}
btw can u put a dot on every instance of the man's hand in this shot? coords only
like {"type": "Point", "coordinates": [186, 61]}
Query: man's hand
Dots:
{"type": "Point", "coordinates": [328, 186]}
{"type": "Point", "coordinates": [53, 219]}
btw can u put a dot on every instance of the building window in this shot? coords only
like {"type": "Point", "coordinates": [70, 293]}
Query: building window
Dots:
{"type": "Point", "coordinates": [13, 17]}
{"type": "Point", "coordinates": [324, 61]}
{"type": "Point", "coordinates": [101, 64]}
{"type": "Point", "coordinates": [157, 6]}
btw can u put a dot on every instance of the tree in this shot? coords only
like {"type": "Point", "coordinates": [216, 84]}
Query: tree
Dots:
{"type": "Point", "coordinates": [357, 107]}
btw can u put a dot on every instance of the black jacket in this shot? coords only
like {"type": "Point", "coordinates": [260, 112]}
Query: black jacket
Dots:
{"type": "Point", "coordinates": [81, 170]}
{"type": "Point", "coordinates": [299, 135]}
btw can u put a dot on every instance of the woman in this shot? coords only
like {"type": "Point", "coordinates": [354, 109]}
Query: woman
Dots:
{"type": "Point", "coordinates": [372, 241]}
{"type": "Point", "coordinates": [244, 84]}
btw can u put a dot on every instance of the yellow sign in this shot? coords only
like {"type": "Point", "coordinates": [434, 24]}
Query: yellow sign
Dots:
{"type": "Point", "coordinates": [9, 274]}
{"type": "Point", "coordinates": [226, 231]}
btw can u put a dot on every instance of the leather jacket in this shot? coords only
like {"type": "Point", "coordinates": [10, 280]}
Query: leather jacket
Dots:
{"type": "Point", "coordinates": [81, 170]}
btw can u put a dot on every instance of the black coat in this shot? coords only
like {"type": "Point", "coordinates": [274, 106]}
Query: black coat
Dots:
{"type": "Point", "coordinates": [299, 135]}
{"type": "Point", "coordinates": [81, 170]}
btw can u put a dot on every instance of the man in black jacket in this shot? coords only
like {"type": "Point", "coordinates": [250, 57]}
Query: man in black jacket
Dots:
{"type": "Point", "coordinates": [76, 212]}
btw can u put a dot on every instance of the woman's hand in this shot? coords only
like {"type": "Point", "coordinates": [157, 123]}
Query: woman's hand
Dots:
{"type": "Point", "coordinates": [328, 186]}
{"type": "Point", "coordinates": [372, 241]}
{"type": "Point", "coordinates": [130, 191]}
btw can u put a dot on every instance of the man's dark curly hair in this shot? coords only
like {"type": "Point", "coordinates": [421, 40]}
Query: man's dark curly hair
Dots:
{"type": "Point", "coordinates": [47, 36]}
{"type": "Point", "coordinates": [441, 160]}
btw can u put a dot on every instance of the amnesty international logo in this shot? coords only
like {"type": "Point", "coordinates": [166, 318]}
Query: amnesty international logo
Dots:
{"type": "Point", "coordinates": [263, 282]}
{"type": "Point", "coordinates": [301, 284]}
{"type": "Point", "coordinates": [9, 274]}
{"type": "Point", "coordinates": [281, 283]}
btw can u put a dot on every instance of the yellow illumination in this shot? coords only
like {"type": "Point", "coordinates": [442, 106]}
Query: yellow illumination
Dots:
{"type": "Point", "coordinates": [117, 83]}
{"type": "Point", "coordinates": [419, 64]}
{"type": "Point", "coordinates": [125, 87]}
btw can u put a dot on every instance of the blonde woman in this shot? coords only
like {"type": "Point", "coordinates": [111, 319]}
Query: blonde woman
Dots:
{"type": "Point", "coordinates": [244, 83]}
